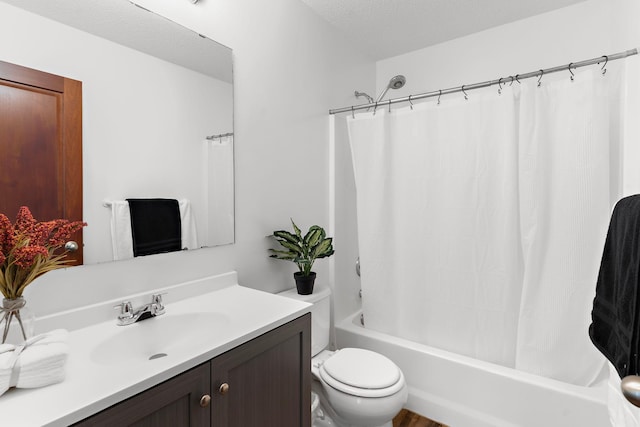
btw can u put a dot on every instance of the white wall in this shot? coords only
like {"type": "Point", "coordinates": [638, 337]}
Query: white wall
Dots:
{"type": "Point", "coordinates": [582, 31]}
{"type": "Point", "coordinates": [574, 33]}
{"type": "Point", "coordinates": [290, 67]}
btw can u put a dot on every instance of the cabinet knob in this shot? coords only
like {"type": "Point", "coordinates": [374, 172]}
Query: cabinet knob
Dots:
{"type": "Point", "coordinates": [205, 400]}
{"type": "Point", "coordinates": [224, 388]}
{"type": "Point", "coordinates": [71, 246]}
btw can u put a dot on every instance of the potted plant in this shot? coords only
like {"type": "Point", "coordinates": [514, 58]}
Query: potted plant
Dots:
{"type": "Point", "coordinates": [303, 251]}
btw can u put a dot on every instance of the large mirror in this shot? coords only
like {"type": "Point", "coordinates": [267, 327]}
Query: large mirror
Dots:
{"type": "Point", "coordinates": [157, 108]}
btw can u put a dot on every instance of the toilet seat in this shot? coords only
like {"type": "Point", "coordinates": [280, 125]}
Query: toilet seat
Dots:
{"type": "Point", "coordinates": [362, 373]}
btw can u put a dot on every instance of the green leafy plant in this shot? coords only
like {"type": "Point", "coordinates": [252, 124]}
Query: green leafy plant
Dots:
{"type": "Point", "coordinates": [303, 250]}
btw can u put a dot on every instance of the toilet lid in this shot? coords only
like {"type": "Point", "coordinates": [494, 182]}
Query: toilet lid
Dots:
{"type": "Point", "coordinates": [362, 368]}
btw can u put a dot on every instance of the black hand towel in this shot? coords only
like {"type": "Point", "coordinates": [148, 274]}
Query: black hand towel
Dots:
{"type": "Point", "coordinates": [614, 328]}
{"type": "Point", "coordinates": [155, 226]}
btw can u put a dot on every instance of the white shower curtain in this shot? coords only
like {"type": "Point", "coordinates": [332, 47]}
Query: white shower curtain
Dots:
{"type": "Point", "coordinates": [481, 221]}
{"type": "Point", "coordinates": [565, 180]}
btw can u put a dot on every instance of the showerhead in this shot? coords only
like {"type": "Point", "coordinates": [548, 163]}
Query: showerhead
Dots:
{"type": "Point", "coordinates": [395, 83]}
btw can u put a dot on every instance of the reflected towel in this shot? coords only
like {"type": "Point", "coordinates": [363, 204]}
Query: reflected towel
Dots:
{"type": "Point", "coordinates": [121, 237]}
{"type": "Point", "coordinates": [39, 362]}
{"type": "Point", "coordinates": [188, 221]}
{"type": "Point", "coordinates": [155, 226]}
{"type": "Point", "coordinates": [121, 240]}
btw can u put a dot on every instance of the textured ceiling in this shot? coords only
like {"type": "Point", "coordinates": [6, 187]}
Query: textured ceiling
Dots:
{"type": "Point", "coordinates": [124, 23]}
{"type": "Point", "coordinates": [387, 28]}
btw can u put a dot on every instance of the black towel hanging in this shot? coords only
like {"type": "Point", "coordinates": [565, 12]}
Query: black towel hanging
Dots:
{"type": "Point", "coordinates": [615, 326]}
{"type": "Point", "coordinates": [155, 226]}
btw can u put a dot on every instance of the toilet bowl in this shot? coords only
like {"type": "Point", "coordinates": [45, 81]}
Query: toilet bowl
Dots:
{"type": "Point", "coordinates": [364, 388]}
{"type": "Point", "coordinates": [319, 417]}
{"type": "Point", "coordinates": [356, 387]}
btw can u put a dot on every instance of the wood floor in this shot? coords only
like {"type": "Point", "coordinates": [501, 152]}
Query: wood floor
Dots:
{"type": "Point", "coordinates": [407, 418]}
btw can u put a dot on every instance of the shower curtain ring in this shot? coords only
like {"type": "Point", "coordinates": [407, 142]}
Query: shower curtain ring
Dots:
{"type": "Point", "coordinates": [353, 115]}
{"type": "Point", "coordinates": [519, 82]}
{"type": "Point", "coordinates": [410, 103]}
{"type": "Point", "coordinates": [569, 68]}
{"type": "Point", "coordinates": [500, 86]}
{"type": "Point", "coordinates": [511, 82]}
{"type": "Point", "coordinates": [375, 107]}
{"type": "Point", "coordinates": [466, 97]}
{"type": "Point", "coordinates": [439, 95]}
{"type": "Point", "coordinates": [540, 78]}
{"type": "Point", "coordinates": [389, 106]}
{"type": "Point", "coordinates": [604, 69]}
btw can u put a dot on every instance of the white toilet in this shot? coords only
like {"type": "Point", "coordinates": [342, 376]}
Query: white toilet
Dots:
{"type": "Point", "coordinates": [356, 387]}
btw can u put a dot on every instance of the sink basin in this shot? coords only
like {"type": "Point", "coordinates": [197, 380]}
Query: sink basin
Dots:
{"type": "Point", "coordinates": [156, 337]}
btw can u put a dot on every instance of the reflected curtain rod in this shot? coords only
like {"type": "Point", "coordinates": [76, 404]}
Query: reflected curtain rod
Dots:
{"type": "Point", "coordinates": [222, 135]}
{"type": "Point", "coordinates": [501, 81]}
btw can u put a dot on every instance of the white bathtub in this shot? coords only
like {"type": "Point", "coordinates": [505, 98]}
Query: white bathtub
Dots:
{"type": "Point", "coordinates": [463, 392]}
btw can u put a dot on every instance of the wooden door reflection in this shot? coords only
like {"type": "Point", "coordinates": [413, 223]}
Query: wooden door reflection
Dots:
{"type": "Point", "coordinates": [41, 146]}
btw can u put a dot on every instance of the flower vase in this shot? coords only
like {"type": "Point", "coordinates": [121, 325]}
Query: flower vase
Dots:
{"type": "Point", "coordinates": [16, 321]}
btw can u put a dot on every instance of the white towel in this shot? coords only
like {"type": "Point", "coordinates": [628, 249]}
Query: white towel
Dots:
{"type": "Point", "coordinates": [39, 362]}
{"type": "Point", "coordinates": [188, 221]}
{"type": "Point", "coordinates": [6, 354]}
{"type": "Point", "coordinates": [122, 238]}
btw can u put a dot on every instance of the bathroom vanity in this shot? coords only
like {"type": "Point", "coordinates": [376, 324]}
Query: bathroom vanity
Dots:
{"type": "Point", "coordinates": [265, 381]}
{"type": "Point", "coordinates": [221, 355]}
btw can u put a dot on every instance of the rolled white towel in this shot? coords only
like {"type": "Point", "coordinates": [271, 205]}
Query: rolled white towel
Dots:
{"type": "Point", "coordinates": [42, 361]}
{"type": "Point", "coordinates": [39, 362]}
{"type": "Point", "coordinates": [39, 366]}
{"type": "Point", "coordinates": [6, 354]}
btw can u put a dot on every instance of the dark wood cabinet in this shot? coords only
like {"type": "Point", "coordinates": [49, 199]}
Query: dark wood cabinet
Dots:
{"type": "Point", "coordinates": [175, 403]}
{"type": "Point", "coordinates": [265, 382]}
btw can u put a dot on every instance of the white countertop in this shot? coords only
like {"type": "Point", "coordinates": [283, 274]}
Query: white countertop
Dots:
{"type": "Point", "coordinates": [92, 385]}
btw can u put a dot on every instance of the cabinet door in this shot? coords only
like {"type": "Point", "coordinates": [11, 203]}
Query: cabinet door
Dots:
{"type": "Point", "coordinates": [174, 403]}
{"type": "Point", "coordinates": [265, 382]}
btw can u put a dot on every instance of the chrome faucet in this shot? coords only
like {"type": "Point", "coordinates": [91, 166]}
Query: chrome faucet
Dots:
{"type": "Point", "coordinates": [128, 315]}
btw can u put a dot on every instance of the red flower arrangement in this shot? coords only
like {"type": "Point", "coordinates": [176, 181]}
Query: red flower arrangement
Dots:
{"type": "Point", "coordinates": [27, 249]}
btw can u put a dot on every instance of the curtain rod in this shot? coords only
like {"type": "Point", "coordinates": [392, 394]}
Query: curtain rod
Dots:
{"type": "Point", "coordinates": [502, 80]}
{"type": "Point", "coordinates": [222, 135]}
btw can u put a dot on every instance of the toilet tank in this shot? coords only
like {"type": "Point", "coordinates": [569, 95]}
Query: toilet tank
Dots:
{"type": "Point", "coordinates": [320, 315]}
